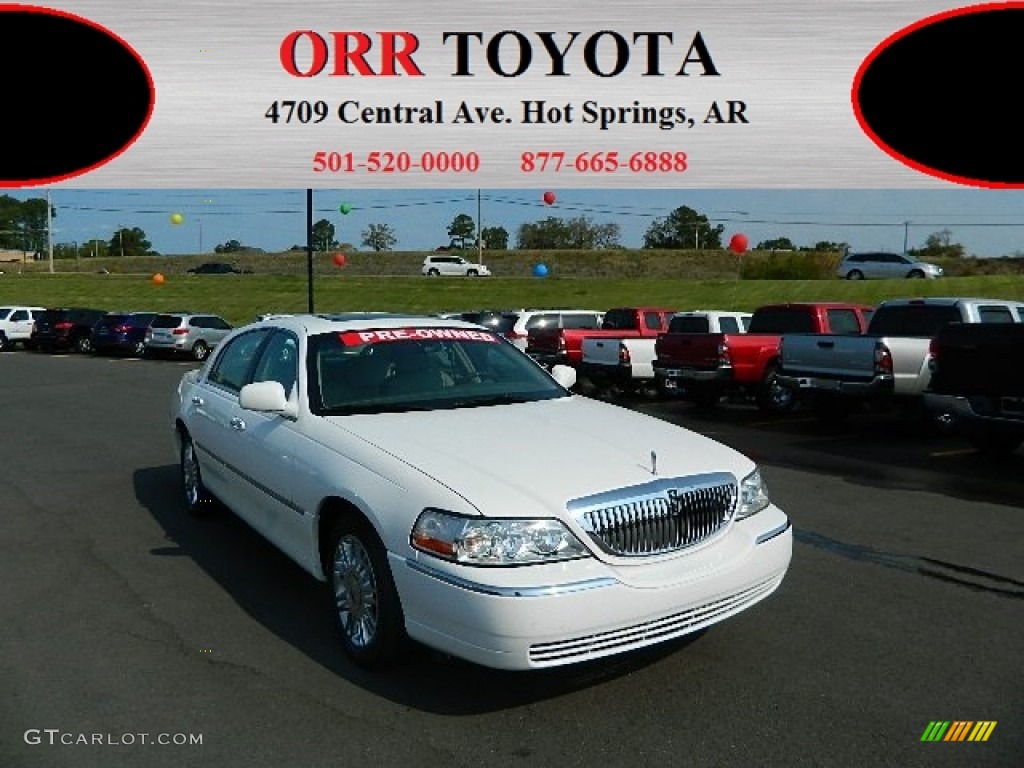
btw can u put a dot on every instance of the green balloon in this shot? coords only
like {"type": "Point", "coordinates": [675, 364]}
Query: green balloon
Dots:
{"type": "Point", "coordinates": [345, 208]}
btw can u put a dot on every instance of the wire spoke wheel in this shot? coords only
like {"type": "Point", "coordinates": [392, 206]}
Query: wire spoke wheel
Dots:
{"type": "Point", "coordinates": [355, 592]}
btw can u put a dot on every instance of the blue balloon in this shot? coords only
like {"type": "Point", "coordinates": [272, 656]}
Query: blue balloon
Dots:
{"type": "Point", "coordinates": [540, 270]}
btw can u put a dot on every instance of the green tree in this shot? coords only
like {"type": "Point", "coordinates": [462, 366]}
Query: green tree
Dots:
{"type": "Point", "coordinates": [95, 248]}
{"type": "Point", "coordinates": [683, 228]}
{"type": "Point", "coordinates": [462, 228]}
{"type": "Point", "coordinates": [130, 242]}
{"type": "Point", "coordinates": [827, 246]}
{"type": "Point", "coordinates": [776, 244]}
{"type": "Point", "coordinates": [379, 237]}
{"type": "Point", "coordinates": [23, 223]}
{"type": "Point", "coordinates": [323, 236]}
{"type": "Point", "coordinates": [579, 233]}
{"type": "Point", "coordinates": [231, 246]}
{"type": "Point", "coordinates": [939, 245]}
{"type": "Point", "coordinates": [495, 238]}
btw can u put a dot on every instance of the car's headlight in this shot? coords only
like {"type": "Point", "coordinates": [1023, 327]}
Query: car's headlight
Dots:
{"type": "Point", "coordinates": [494, 541]}
{"type": "Point", "coordinates": [753, 495]}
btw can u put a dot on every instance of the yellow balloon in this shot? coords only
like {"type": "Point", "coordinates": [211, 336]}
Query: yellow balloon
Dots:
{"type": "Point", "coordinates": [177, 218]}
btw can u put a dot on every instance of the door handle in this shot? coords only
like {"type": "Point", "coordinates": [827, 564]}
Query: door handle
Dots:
{"type": "Point", "coordinates": [237, 423]}
{"type": "Point", "coordinates": [197, 400]}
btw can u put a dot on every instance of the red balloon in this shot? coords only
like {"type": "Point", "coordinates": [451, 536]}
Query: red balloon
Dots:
{"type": "Point", "coordinates": [738, 243]}
{"type": "Point", "coordinates": [549, 198]}
{"type": "Point", "coordinates": [339, 259]}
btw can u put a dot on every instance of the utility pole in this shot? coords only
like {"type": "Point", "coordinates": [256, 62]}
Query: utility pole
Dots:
{"type": "Point", "coordinates": [906, 232]}
{"type": "Point", "coordinates": [479, 232]}
{"type": "Point", "coordinates": [49, 232]}
{"type": "Point", "coordinates": [309, 248]}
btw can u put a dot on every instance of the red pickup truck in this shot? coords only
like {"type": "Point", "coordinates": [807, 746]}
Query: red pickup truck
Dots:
{"type": "Point", "coordinates": [563, 346]}
{"type": "Point", "coordinates": [704, 367]}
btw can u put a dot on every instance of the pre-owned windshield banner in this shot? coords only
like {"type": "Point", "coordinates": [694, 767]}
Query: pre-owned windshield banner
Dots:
{"type": "Point", "coordinates": [730, 94]}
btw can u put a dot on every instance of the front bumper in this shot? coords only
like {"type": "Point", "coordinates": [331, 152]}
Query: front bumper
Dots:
{"type": "Point", "coordinates": [534, 617]}
{"type": "Point", "coordinates": [875, 388]}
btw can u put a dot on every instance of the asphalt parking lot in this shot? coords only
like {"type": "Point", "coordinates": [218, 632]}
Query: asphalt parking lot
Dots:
{"type": "Point", "coordinates": [904, 605]}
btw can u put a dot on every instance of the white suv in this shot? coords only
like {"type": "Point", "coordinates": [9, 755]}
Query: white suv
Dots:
{"type": "Point", "coordinates": [434, 266]}
{"type": "Point", "coordinates": [16, 325]}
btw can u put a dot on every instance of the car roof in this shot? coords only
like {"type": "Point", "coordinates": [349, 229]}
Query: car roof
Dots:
{"type": "Point", "coordinates": [950, 300]}
{"type": "Point", "coordinates": [350, 321]}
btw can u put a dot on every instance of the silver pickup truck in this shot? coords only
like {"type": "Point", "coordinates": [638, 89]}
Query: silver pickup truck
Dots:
{"type": "Point", "coordinates": [889, 362]}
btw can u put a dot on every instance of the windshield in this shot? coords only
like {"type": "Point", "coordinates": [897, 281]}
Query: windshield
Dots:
{"type": "Point", "coordinates": [411, 369]}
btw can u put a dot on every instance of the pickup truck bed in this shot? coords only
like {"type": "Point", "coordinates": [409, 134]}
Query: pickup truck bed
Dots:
{"type": "Point", "coordinates": [977, 378]}
{"type": "Point", "coordinates": [708, 366]}
{"type": "Point", "coordinates": [838, 373]}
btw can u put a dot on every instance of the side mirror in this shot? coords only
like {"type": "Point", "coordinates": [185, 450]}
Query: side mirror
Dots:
{"type": "Point", "coordinates": [564, 375]}
{"type": "Point", "coordinates": [267, 397]}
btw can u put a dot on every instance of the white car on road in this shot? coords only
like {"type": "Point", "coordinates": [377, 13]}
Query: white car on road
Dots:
{"type": "Point", "coordinates": [356, 445]}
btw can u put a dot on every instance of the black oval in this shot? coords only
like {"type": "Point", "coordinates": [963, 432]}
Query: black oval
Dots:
{"type": "Point", "coordinates": [76, 95]}
{"type": "Point", "coordinates": [939, 95]}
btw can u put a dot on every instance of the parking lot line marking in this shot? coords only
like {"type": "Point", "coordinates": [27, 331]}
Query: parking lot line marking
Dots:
{"type": "Point", "coordinates": [952, 452]}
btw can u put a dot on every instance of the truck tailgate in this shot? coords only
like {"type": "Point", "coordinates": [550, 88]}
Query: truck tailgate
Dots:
{"type": "Point", "coordinates": [828, 356]}
{"type": "Point", "coordinates": [689, 350]}
{"type": "Point", "coordinates": [600, 351]}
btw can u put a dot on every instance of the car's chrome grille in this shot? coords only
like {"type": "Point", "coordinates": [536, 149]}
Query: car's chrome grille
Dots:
{"type": "Point", "coordinates": [650, 632]}
{"type": "Point", "coordinates": [660, 517]}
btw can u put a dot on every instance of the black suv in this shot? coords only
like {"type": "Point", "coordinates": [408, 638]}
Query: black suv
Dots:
{"type": "Point", "coordinates": [218, 268]}
{"type": "Point", "coordinates": [65, 328]}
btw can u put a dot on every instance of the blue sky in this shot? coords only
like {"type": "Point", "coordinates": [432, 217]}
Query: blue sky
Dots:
{"type": "Point", "coordinates": [987, 222]}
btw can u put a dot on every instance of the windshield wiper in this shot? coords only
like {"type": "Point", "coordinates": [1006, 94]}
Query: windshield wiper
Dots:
{"type": "Point", "coordinates": [504, 399]}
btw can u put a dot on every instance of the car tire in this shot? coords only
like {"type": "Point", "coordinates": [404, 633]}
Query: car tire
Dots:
{"type": "Point", "coordinates": [771, 396]}
{"type": "Point", "coordinates": [4, 344]}
{"type": "Point", "coordinates": [83, 345]}
{"type": "Point", "coordinates": [198, 501]}
{"type": "Point", "coordinates": [366, 609]}
{"type": "Point", "coordinates": [915, 274]}
{"type": "Point", "coordinates": [472, 273]}
{"type": "Point", "coordinates": [200, 351]}
{"type": "Point", "coordinates": [433, 273]}
{"type": "Point", "coordinates": [854, 274]}
{"type": "Point", "coordinates": [139, 350]}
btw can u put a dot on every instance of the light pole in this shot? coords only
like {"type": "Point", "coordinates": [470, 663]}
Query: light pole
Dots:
{"type": "Point", "coordinates": [479, 232]}
{"type": "Point", "coordinates": [906, 233]}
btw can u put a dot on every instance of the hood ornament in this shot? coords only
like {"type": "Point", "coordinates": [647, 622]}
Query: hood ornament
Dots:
{"type": "Point", "coordinates": [654, 462]}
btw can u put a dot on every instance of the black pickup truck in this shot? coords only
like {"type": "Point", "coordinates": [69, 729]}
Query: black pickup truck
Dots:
{"type": "Point", "coordinates": [977, 378]}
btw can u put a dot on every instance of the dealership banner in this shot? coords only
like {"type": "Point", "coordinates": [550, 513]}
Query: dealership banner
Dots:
{"type": "Point", "coordinates": [724, 94]}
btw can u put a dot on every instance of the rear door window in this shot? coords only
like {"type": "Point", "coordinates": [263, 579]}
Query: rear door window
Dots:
{"type": "Point", "coordinates": [580, 321]}
{"type": "Point", "coordinates": [691, 324]}
{"type": "Point", "coordinates": [843, 321]}
{"type": "Point", "coordinates": [775, 320]}
{"type": "Point", "coordinates": [995, 314]}
{"type": "Point", "coordinates": [913, 320]}
{"type": "Point", "coordinates": [728, 325]}
{"type": "Point", "coordinates": [166, 321]}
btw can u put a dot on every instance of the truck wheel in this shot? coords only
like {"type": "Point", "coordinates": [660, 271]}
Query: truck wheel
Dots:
{"type": "Point", "coordinates": [994, 444]}
{"type": "Point", "coordinates": [772, 397]}
{"type": "Point", "coordinates": [854, 274]}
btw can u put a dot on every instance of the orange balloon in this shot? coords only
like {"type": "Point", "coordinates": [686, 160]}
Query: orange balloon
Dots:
{"type": "Point", "coordinates": [158, 279]}
{"type": "Point", "coordinates": [339, 259]}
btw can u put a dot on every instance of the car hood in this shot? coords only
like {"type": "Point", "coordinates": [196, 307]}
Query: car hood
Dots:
{"type": "Point", "coordinates": [514, 459]}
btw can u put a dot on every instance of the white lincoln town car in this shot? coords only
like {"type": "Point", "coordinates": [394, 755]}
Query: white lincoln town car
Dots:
{"type": "Point", "coordinates": [450, 490]}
